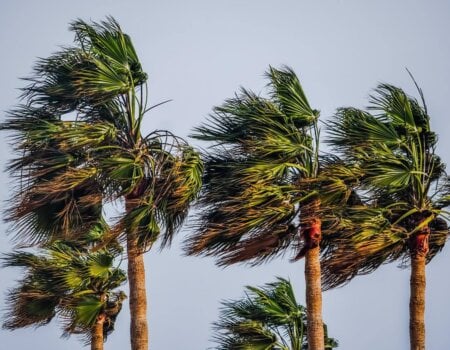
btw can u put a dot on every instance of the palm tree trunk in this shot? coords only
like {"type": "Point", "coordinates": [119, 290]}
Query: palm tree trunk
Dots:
{"type": "Point", "coordinates": [97, 333]}
{"type": "Point", "coordinates": [314, 300]}
{"type": "Point", "coordinates": [419, 250]}
{"type": "Point", "coordinates": [137, 295]}
{"type": "Point", "coordinates": [312, 236]}
{"type": "Point", "coordinates": [417, 303]}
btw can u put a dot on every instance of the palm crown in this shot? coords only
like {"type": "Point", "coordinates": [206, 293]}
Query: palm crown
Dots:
{"type": "Point", "coordinates": [66, 281]}
{"type": "Point", "coordinates": [266, 318]}
{"type": "Point", "coordinates": [262, 172]}
{"type": "Point", "coordinates": [80, 143]}
{"type": "Point", "coordinates": [400, 180]}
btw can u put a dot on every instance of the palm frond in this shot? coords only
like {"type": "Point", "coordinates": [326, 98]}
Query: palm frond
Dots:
{"type": "Point", "coordinates": [288, 92]}
{"type": "Point", "coordinates": [265, 318]}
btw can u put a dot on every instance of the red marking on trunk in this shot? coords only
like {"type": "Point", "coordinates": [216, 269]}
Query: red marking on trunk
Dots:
{"type": "Point", "coordinates": [312, 235]}
{"type": "Point", "coordinates": [101, 318]}
{"type": "Point", "coordinates": [419, 242]}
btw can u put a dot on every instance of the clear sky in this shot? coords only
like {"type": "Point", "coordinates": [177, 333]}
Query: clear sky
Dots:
{"type": "Point", "coordinates": [198, 53]}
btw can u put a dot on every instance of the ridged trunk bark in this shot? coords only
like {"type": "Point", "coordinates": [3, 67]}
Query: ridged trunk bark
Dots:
{"type": "Point", "coordinates": [419, 251]}
{"type": "Point", "coordinates": [417, 303]}
{"type": "Point", "coordinates": [137, 293]}
{"type": "Point", "coordinates": [311, 230]}
{"type": "Point", "coordinates": [137, 296]}
{"type": "Point", "coordinates": [314, 299]}
{"type": "Point", "coordinates": [97, 334]}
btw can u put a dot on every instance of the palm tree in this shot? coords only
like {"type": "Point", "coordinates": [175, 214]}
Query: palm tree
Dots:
{"type": "Point", "coordinates": [263, 188]}
{"type": "Point", "coordinates": [267, 318]}
{"type": "Point", "coordinates": [404, 189]}
{"type": "Point", "coordinates": [80, 145]}
{"type": "Point", "coordinates": [66, 281]}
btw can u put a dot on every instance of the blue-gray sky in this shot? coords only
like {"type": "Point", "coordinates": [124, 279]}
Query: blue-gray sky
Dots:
{"type": "Point", "coordinates": [198, 53]}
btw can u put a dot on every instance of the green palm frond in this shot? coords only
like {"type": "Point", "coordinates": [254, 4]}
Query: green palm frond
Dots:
{"type": "Point", "coordinates": [254, 126]}
{"type": "Point", "coordinates": [403, 111]}
{"type": "Point", "coordinates": [352, 129]}
{"type": "Point", "coordinates": [263, 208]}
{"type": "Point", "coordinates": [103, 65]}
{"type": "Point", "coordinates": [86, 311]}
{"type": "Point", "coordinates": [181, 187]}
{"type": "Point", "coordinates": [99, 265]}
{"type": "Point", "coordinates": [367, 241]}
{"type": "Point", "coordinates": [266, 318]}
{"type": "Point", "coordinates": [107, 42]}
{"type": "Point", "coordinates": [160, 183]}
{"type": "Point", "coordinates": [288, 92]}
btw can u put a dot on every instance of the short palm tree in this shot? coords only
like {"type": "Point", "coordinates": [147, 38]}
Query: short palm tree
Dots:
{"type": "Point", "coordinates": [404, 190]}
{"type": "Point", "coordinates": [80, 144]}
{"type": "Point", "coordinates": [267, 318]}
{"type": "Point", "coordinates": [66, 281]}
{"type": "Point", "coordinates": [264, 190]}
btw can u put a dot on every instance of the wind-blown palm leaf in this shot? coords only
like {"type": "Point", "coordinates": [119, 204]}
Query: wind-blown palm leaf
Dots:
{"type": "Point", "coordinates": [266, 318]}
{"type": "Point", "coordinates": [63, 281]}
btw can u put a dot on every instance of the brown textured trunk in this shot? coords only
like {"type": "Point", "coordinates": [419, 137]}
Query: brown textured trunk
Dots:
{"type": "Point", "coordinates": [137, 293]}
{"type": "Point", "coordinates": [419, 250]}
{"type": "Point", "coordinates": [314, 299]}
{"type": "Point", "coordinates": [312, 235]}
{"type": "Point", "coordinates": [97, 333]}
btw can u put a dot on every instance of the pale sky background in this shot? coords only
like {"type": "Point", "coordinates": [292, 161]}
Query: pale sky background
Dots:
{"type": "Point", "coordinates": [198, 53]}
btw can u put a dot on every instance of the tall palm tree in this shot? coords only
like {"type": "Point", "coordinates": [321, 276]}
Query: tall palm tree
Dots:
{"type": "Point", "coordinates": [404, 189]}
{"type": "Point", "coordinates": [264, 190]}
{"type": "Point", "coordinates": [267, 318]}
{"type": "Point", "coordinates": [66, 281]}
{"type": "Point", "coordinates": [80, 144]}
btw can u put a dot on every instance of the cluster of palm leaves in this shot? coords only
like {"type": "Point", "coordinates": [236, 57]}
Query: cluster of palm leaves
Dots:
{"type": "Point", "coordinates": [266, 318]}
{"type": "Point", "coordinates": [401, 181]}
{"type": "Point", "coordinates": [263, 189]}
{"type": "Point", "coordinates": [66, 281]}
